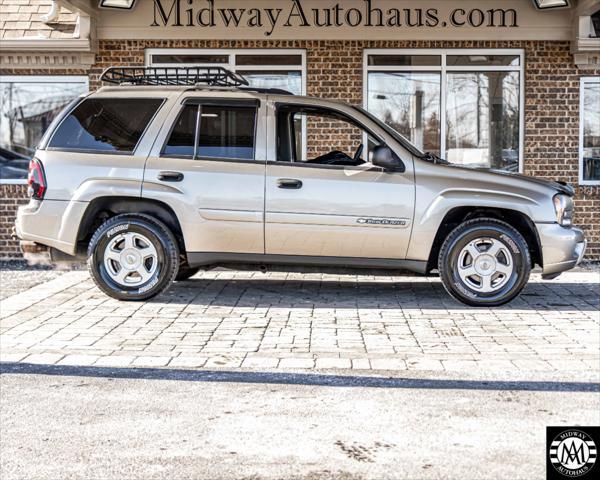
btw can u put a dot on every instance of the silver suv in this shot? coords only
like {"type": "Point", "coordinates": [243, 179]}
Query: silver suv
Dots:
{"type": "Point", "coordinates": [173, 170]}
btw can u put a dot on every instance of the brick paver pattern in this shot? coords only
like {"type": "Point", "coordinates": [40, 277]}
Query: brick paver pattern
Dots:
{"type": "Point", "coordinates": [305, 321]}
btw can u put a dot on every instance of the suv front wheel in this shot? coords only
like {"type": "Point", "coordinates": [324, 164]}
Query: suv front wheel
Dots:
{"type": "Point", "coordinates": [484, 262]}
{"type": "Point", "coordinates": [133, 257]}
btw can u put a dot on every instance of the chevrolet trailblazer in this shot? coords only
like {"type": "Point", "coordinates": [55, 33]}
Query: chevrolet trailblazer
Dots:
{"type": "Point", "coordinates": [168, 171]}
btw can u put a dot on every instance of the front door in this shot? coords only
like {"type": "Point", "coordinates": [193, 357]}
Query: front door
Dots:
{"type": "Point", "coordinates": [322, 197]}
{"type": "Point", "coordinates": [210, 169]}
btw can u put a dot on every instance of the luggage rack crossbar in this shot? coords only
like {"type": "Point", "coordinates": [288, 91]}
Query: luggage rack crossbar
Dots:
{"type": "Point", "coordinates": [190, 76]}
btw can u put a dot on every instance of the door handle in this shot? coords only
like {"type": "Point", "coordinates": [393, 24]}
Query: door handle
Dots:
{"type": "Point", "coordinates": [170, 176]}
{"type": "Point", "coordinates": [290, 183]}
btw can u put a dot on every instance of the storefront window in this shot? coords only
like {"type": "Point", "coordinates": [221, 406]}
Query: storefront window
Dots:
{"type": "Point", "coordinates": [482, 119]}
{"type": "Point", "coordinates": [465, 105]}
{"type": "Point", "coordinates": [263, 68]}
{"type": "Point", "coordinates": [286, 80]}
{"type": "Point", "coordinates": [589, 142]}
{"type": "Point", "coordinates": [410, 104]}
{"type": "Point", "coordinates": [183, 59]}
{"type": "Point", "coordinates": [27, 107]}
{"type": "Point", "coordinates": [405, 60]}
{"type": "Point", "coordinates": [272, 59]}
{"type": "Point", "coordinates": [481, 60]}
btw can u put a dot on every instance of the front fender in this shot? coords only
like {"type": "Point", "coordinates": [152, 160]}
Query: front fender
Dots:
{"type": "Point", "coordinates": [432, 214]}
{"type": "Point", "coordinates": [443, 188]}
{"type": "Point", "coordinates": [457, 197]}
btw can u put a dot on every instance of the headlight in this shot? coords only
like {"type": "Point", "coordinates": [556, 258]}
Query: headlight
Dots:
{"type": "Point", "coordinates": [563, 205]}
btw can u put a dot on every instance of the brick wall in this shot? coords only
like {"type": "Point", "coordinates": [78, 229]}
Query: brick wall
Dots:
{"type": "Point", "coordinates": [334, 70]}
{"type": "Point", "coordinates": [324, 135]}
{"type": "Point", "coordinates": [11, 196]}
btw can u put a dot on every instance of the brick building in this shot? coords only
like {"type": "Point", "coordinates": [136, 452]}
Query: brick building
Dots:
{"type": "Point", "coordinates": [511, 84]}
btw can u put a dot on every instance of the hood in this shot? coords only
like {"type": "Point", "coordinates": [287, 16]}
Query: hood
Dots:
{"type": "Point", "coordinates": [559, 186]}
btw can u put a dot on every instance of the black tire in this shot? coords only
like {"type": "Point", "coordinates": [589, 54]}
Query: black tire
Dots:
{"type": "Point", "coordinates": [185, 272]}
{"type": "Point", "coordinates": [471, 231]}
{"type": "Point", "coordinates": [161, 238]}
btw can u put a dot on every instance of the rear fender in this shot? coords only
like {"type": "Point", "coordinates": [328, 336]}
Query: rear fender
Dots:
{"type": "Point", "coordinates": [103, 187]}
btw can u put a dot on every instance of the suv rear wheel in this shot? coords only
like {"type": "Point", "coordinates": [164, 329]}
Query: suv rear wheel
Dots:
{"type": "Point", "coordinates": [484, 262]}
{"type": "Point", "coordinates": [133, 257]}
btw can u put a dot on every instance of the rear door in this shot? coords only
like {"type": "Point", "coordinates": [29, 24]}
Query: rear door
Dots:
{"type": "Point", "coordinates": [208, 164]}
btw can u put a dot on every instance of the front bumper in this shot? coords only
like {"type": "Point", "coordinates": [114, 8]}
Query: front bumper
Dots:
{"type": "Point", "coordinates": [562, 248]}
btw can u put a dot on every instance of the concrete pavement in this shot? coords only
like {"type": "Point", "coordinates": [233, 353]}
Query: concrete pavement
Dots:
{"type": "Point", "coordinates": [100, 423]}
{"type": "Point", "coordinates": [223, 319]}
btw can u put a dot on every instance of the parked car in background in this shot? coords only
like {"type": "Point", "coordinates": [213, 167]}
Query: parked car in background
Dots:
{"type": "Point", "coordinates": [13, 164]}
{"type": "Point", "coordinates": [173, 170]}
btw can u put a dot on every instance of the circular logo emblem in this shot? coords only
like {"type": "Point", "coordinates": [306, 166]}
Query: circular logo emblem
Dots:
{"type": "Point", "coordinates": [573, 453]}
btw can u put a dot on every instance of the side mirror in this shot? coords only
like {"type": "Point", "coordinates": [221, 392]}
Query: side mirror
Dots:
{"type": "Point", "coordinates": [384, 156]}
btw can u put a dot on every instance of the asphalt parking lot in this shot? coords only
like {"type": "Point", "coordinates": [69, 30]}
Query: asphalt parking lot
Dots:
{"type": "Point", "coordinates": [251, 375]}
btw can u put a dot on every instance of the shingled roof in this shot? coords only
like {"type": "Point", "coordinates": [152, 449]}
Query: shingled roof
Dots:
{"type": "Point", "coordinates": [21, 18]}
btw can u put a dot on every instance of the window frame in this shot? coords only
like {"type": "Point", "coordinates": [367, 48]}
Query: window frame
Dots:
{"type": "Point", "coordinates": [443, 70]}
{"type": "Point", "coordinates": [162, 154]}
{"type": "Point", "coordinates": [583, 81]}
{"type": "Point", "coordinates": [198, 102]}
{"type": "Point", "coordinates": [84, 79]}
{"type": "Point", "coordinates": [304, 108]}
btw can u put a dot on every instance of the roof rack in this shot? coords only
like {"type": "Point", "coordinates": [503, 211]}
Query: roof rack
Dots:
{"type": "Point", "coordinates": [211, 76]}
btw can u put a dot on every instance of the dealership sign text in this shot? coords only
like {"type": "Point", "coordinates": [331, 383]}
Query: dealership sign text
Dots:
{"type": "Point", "coordinates": [208, 13]}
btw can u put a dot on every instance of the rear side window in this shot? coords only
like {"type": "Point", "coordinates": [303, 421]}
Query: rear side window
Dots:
{"type": "Point", "coordinates": [223, 131]}
{"type": "Point", "coordinates": [227, 132]}
{"type": "Point", "coordinates": [106, 124]}
{"type": "Point", "coordinates": [181, 141]}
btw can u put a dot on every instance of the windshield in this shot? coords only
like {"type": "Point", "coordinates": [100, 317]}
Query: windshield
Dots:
{"type": "Point", "coordinates": [393, 133]}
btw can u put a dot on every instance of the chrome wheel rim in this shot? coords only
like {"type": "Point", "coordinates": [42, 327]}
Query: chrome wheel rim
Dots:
{"type": "Point", "coordinates": [130, 259]}
{"type": "Point", "coordinates": [485, 265]}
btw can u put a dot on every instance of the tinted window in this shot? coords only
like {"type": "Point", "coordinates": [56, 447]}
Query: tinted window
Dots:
{"type": "Point", "coordinates": [227, 132]}
{"type": "Point", "coordinates": [106, 124]}
{"type": "Point", "coordinates": [181, 141]}
{"type": "Point", "coordinates": [405, 60]}
{"type": "Point", "coordinates": [268, 59]}
{"type": "Point", "coordinates": [189, 59]}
